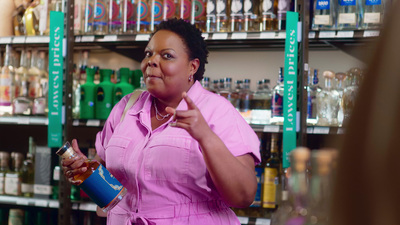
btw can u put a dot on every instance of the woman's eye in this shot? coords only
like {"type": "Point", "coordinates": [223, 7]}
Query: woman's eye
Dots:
{"type": "Point", "coordinates": [147, 54]}
{"type": "Point", "coordinates": [167, 56]}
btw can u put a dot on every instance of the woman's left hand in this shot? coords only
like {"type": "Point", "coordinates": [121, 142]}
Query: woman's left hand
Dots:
{"type": "Point", "coordinates": [191, 119]}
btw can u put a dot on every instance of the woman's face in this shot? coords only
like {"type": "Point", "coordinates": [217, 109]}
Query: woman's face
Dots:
{"type": "Point", "coordinates": [166, 66]}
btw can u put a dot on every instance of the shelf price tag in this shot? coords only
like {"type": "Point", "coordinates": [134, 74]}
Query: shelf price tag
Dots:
{"type": "Point", "coordinates": [89, 38]}
{"type": "Point", "coordinates": [311, 35]}
{"type": "Point", "coordinates": [290, 87]}
{"type": "Point", "coordinates": [110, 38]}
{"type": "Point", "coordinates": [93, 123]}
{"type": "Point", "coordinates": [267, 35]}
{"type": "Point", "coordinates": [19, 39]}
{"type": "Point", "coordinates": [56, 65]}
{"type": "Point", "coordinates": [5, 40]}
{"type": "Point", "coordinates": [371, 33]}
{"type": "Point", "coordinates": [220, 36]}
{"type": "Point", "coordinates": [345, 34]}
{"type": "Point", "coordinates": [321, 130]}
{"type": "Point", "coordinates": [41, 203]}
{"type": "Point", "coordinates": [239, 35]}
{"type": "Point", "coordinates": [327, 34]}
{"type": "Point", "coordinates": [243, 220]}
{"type": "Point", "coordinates": [142, 37]}
{"type": "Point", "coordinates": [205, 36]}
{"type": "Point", "coordinates": [282, 35]}
{"type": "Point", "coordinates": [263, 221]}
{"type": "Point", "coordinates": [22, 201]}
{"type": "Point", "coordinates": [271, 128]}
{"type": "Point", "coordinates": [54, 204]}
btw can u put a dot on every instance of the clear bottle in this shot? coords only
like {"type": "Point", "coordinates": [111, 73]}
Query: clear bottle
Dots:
{"type": "Point", "coordinates": [320, 188]}
{"type": "Point", "coordinates": [328, 102]}
{"type": "Point", "coordinates": [115, 13]}
{"type": "Point", "coordinates": [129, 16]}
{"type": "Point", "coordinates": [6, 84]}
{"type": "Point", "coordinates": [22, 105]}
{"type": "Point", "coordinates": [172, 9]}
{"type": "Point", "coordinates": [271, 176]}
{"type": "Point", "coordinates": [226, 90]}
{"type": "Point", "coordinates": [283, 7]}
{"type": "Point", "coordinates": [277, 100]}
{"type": "Point", "coordinates": [349, 14]}
{"type": "Point", "coordinates": [28, 171]}
{"type": "Point", "coordinates": [261, 105]}
{"type": "Point", "coordinates": [245, 95]}
{"type": "Point", "coordinates": [312, 90]}
{"type": "Point", "coordinates": [324, 15]}
{"type": "Point", "coordinates": [79, 17]}
{"type": "Point", "coordinates": [237, 16]}
{"type": "Point", "coordinates": [217, 16]}
{"type": "Point", "coordinates": [88, 21]}
{"type": "Point", "coordinates": [235, 97]}
{"type": "Point", "coordinates": [268, 15]}
{"type": "Point", "coordinates": [199, 14]}
{"type": "Point", "coordinates": [350, 92]}
{"type": "Point", "coordinates": [340, 85]}
{"type": "Point", "coordinates": [206, 83]}
{"type": "Point", "coordinates": [373, 11]}
{"type": "Point", "coordinates": [22, 71]}
{"type": "Point", "coordinates": [103, 188]}
{"type": "Point", "coordinates": [13, 178]}
{"type": "Point", "coordinates": [4, 167]}
{"type": "Point", "coordinates": [34, 75]}
{"type": "Point", "coordinates": [100, 22]}
{"type": "Point", "coordinates": [40, 102]}
{"type": "Point", "coordinates": [251, 13]}
{"type": "Point", "coordinates": [215, 86]}
{"type": "Point", "coordinates": [31, 19]}
{"type": "Point", "coordinates": [266, 83]}
{"type": "Point", "coordinates": [143, 16]}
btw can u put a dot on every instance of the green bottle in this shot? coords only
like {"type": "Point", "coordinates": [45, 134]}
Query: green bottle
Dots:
{"type": "Point", "coordinates": [123, 87]}
{"type": "Point", "coordinates": [136, 75]}
{"type": "Point", "coordinates": [104, 95]}
{"type": "Point", "coordinates": [87, 101]}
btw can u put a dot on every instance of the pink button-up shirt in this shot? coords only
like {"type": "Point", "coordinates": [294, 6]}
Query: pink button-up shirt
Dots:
{"type": "Point", "coordinates": [163, 169]}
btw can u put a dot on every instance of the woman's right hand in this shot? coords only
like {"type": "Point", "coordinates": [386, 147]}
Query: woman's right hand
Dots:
{"type": "Point", "coordinates": [74, 166]}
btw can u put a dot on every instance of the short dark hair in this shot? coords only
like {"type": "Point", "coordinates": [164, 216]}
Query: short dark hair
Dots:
{"type": "Point", "coordinates": [192, 38]}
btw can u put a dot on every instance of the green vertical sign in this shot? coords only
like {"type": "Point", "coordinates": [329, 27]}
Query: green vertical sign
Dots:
{"type": "Point", "coordinates": [56, 65]}
{"type": "Point", "coordinates": [290, 82]}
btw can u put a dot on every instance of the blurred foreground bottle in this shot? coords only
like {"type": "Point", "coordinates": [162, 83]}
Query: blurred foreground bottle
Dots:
{"type": "Point", "coordinates": [101, 186]}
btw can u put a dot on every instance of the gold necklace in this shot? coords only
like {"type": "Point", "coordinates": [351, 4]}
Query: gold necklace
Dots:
{"type": "Point", "coordinates": [159, 116]}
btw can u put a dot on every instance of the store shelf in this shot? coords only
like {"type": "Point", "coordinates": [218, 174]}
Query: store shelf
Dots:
{"type": "Point", "coordinates": [24, 120]}
{"type": "Point", "coordinates": [310, 129]}
{"type": "Point", "coordinates": [88, 123]}
{"type": "Point", "coordinates": [23, 201]}
{"type": "Point", "coordinates": [254, 221]}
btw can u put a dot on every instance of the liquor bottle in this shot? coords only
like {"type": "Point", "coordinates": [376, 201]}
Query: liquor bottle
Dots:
{"type": "Point", "coordinates": [311, 98]}
{"type": "Point", "coordinates": [31, 19]}
{"type": "Point", "coordinates": [79, 16]}
{"type": "Point", "coordinates": [40, 102]}
{"type": "Point", "coordinates": [4, 167]}
{"type": "Point", "coordinates": [251, 14]}
{"type": "Point", "coordinates": [340, 78]}
{"type": "Point", "coordinates": [199, 14]}
{"type": "Point", "coordinates": [16, 216]}
{"type": "Point", "coordinates": [88, 93]}
{"type": "Point", "coordinates": [315, 89]}
{"type": "Point", "coordinates": [222, 15]}
{"type": "Point", "coordinates": [268, 15]}
{"type": "Point", "coordinates": [171, 9]}
{"type": "Point", "coordinates": [293, 208]}
{"type": "Point", "coordinates": [266, 83]}
{"type": "Point", "coordinates": [115, 21]}
{"type": "Point", "coordinates": [43, 10]}
{"type": "Point", "coordinates": [129, 16]}
{"type": "Point", "coordinates": [88, 21]}
{"type": "Point", "coordinates": [237, 16]}
{"type": "Point", "coordinates": [22, 105]}
{"type": "Point", "coordinates": [350, 92]}
{"type": "Point", "coordinates": [327, 102]}
{"type": "Point", "coordinates": [324, 15]}
{"type": "Point", "coordinates": [100, 22]}
{"type": "Point", "coordinates": [320, 188]}
{"type": "Point", "coordinates": [33, 74]}
{"type": "Point", "coordinates": [22, 71]}
{"type": "Point", "coordinates": [258, 198]}
{"type": "Point", "coordinates": [373, 14]}
{"type": "Point", "coordinates": [261, 105]}
{"type": "Point", "coordinates": [136, 76]}
{"type": "Point", "coordinates": [226, 90]}
{"type": "Point", "coordinates": [245, 95]}
{"type": "Point", "coordinates": [104, 95]}
{"type": "Point", "coordinates": [18, 21]}
{"type": "Point", "coordinates": [205, 83]}
{"type": "Point", "coordinates": [185, 9]}
{"type": "Point", "coordinates": [235, 97]}
{"type": "Point", "coordinates": [277, 100]}
{"type": "Point", "coordinates": [215, 86]}
{"type": "Point", "coordinates": [6, 84]}
{"type": "Point", "coordinates": [283, 7]}
{"type": "Point", "coordinates": [143, 16]}
{"type": "Point", "coordinates": [103, 188]}
{"type": "Point", "coordinates": [28, 171]}
{"type": "Point", "coordinates": [271, 175]}
{"type": "Point", "coordinates": [123, 87]}
{"type": "Point", "coordinates": [55, 182]}
{"type": "Point", "coordinates": [349, 13]}
{"type": "Point", "coordinates": [156, 13]}
{"type": "Point", "coordinates": [12, 178]}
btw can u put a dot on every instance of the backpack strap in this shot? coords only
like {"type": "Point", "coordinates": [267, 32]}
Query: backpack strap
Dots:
{"type": "Point", "coordinates": [134, 97]}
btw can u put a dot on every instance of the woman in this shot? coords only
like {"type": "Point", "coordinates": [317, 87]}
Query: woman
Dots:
{"type": "Point", "coordinates": [184, 154]}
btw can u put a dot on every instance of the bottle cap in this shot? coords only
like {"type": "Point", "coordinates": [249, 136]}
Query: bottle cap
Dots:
{"type": "Point", "coordinates": [63, 149]}
{"type": "Point", "coordinates": [340, 76]}
{"type": "Point", "coordinates": [328, 74]}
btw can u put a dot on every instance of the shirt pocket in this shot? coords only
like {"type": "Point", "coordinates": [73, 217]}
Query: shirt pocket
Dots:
{"type": "Point", "coordinates": [115, 152]}
{"type": "Point", "coordinates": [167, 159]}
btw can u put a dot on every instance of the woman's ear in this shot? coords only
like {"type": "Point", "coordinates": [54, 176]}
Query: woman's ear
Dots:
{"type": "Point", "coordinates": [194, 66]}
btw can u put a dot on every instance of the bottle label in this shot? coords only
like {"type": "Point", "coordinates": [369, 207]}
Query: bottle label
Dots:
{"type": "Point", "coordinates": [26, 188]}
{"type": "Point", "coordinates": [89, 14]}
{"type": "Point", "coordinates": [118, 94]}
{"type": "Point", "coordinates": [100, 94]}
{"type": "Point", "coordinates": [373, 2]}
{"type": "Point", "coordinates": [169, 9]}
{"type": "Point", "coordinates": [257, 198]}
{"type": "Point", "coordinates": [5, 90]}
{"type": "Point", "coordinates": [322, 20]}
{"type": "Point", "coordinates": [39, 107]}
{"type": "Point", "coordinates": [347, 2]}
{"type": "Point", "coordinates": [248, 8]}
{"type": "Point", "coordinates": [211, 7]}
{"type": "Point", "coordinates": [347, 18]}
{"type": "Point", "coordinates": [102, 187]}
{"type": "Point", "coordinates": [20, 107]}
{"type": "Point", "coordinates": [323, 4]}
{"type": "Point", "coordinates": [129, 15]}
{"type": "Point", "coordinates": [199, 9]}
{"type": "Point", "coordinates": [115, 13]}
{"type": "Point", "coordinates": [158, 10]}
{"type": "Point", "coordinates": [143, 10]}
{"type": "Point", "coordinates": [237, 7]}
{"type": "Point", "coordinates": [277, 106]}
{"type": "Point", "coordinates": [77, 16]}
{"type": "Point", "coordinates": [267, 8]}
{"type": "Point", "coordinates": [12, 184]}
{"type": "Point", "coordinates": [269, 187]}
{"type": "Point", "coordinates": [221, 8]}
{"type": "Point", "coordinates": [42, 189]}
{"type": "Point", "coordinates": [372, 18]}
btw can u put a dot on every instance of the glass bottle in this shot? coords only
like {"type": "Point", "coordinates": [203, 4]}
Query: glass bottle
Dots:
{"type": "Point", "coordinates": [350, 92]}
{"type": "Point", "coordinates": [129, 16]}
{"type": "Point", "coordinates": [235, 97]}
{"type": "Point", "coordinates": [324, 15]}
{"type": "Point", "coordinates": [277, 100]}
{"type": "Point", "coordinates": [226, 90]}
{"type": "Point", "coordinates": [31, 19]}
{"type": "Point", "coordinates": [13, 178]}
{"type": "Point", "coordinates": [28, 171]}
{"type": "Point", "coordinates": [4, 167]}
{"type": "Point", "coordinates": [88, 21]}
{"type": "Point", "coordinates": [123, 87]}
{"type": "Point", "coordinates": [340, 78]}
{"type": "Point", "coordinates": [268, 15]}
{"type": "Point", "coordinates": [373, 14]}
{"type": "Point", "coordinates": [40, 102]}
{"type": "Point", "coordinates": [79, 16]}
{"type": "Point", "coordinates": [245, 95]}
{"type": "Point", "coordinates": [100, 22]}
{"type": "Point", "coordinates": [171, 9]}
{"type": "Point", "coordinates": [22, 105]}
{"type": "Point", "coordinates": [22, 71]}
{"type": "Point", "coordinates": [199, 14]}
{"type": "Point", "coordinates": [328, 102]}
{"type": "Point", "coordinates": [34, 75]}
{"type": "Point", "coordinates": [215, 86]}
{"type": "Point", "coordinates": [217, 16]}
{"type": "Point", "coordinates": [320, 188]}
{"type": "Point", "coordinates": [293, 209]}
{"type": "Point", "coordinates": [266, 83]}
{"type": "Point", "coordinates": [312, 90]}
{"type": "Point", "coordinates": [283, 7]}
{"type": "Point", "coordinates": [6, 84]}
{"type": "Point", "coordinates": [251, 13]}
{"type": "Point", "coordinates": [271, 175]}
{"type": "Point", "coordinates": [237, 16]}
{"type": "Point", "coordinates": [143, 16]}
{"type": "Point", "coordinates": [156, 13]}
{"type": "Point", "coordinates": [18, 20]}
{"type": "Point", "coordinates": [115, 21]}
{"type": "Point", "coordinates": [104, 95]}
{"type": "Point", "coordinates": [103, 188]}
{"type": "Point", "coordinates": [261, 105]}
{"type": "Point", "coordinates": [205, 83]}
{"type": "Point", "coordinates": [349, 13]}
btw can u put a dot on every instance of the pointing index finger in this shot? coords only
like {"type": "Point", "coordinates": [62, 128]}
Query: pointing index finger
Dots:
{"type": "Point", "coordinates": [189, 101]}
